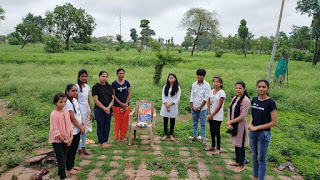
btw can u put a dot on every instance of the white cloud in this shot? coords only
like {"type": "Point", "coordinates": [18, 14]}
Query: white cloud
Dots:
{"type": "Point", "coordinates": [165, 15]}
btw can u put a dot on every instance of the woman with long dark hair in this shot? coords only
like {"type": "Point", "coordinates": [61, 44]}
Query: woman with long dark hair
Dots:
{"type": "Point", "coordinates": [237, 123]}
{"type": "Point", "coordinates": [264, 116]}
{"type": "Point", "coordinates": [86, 110]}
{"type": "Point", "coordinates": [170, 97]}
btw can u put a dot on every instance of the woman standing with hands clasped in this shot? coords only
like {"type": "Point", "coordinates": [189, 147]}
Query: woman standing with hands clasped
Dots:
{"type": "Point", "coordinates": [103, 99]}
{"type": "Point", "coordinates": [264, 116]}
{"type": "Point", "coordinates": [237, 123]}
{"type": "Point", "coordinates": [170, 97]}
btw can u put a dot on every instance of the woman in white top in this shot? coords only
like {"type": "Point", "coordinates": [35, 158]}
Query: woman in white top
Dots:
{"type": "Point", "coordinates": [78, 126]}
{"type": "Point", "coordinates": [215, 109]}
{"type": "Point", "coordinates": [85, 108]}
{"type": "Point", "coordinates": [170, 97]}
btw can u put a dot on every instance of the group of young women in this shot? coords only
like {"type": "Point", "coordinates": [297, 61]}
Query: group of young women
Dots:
{"type": "Point", "coordinates": [264, 116]}
{"type": "Point", "coordinates": [72, 118]}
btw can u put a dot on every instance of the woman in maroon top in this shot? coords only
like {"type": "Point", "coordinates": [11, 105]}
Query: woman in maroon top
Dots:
{"type": "Point", "coordinates": [237, 123]}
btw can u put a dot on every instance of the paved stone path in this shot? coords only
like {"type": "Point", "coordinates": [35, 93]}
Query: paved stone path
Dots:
{"type": "Point", "coordinates": [122, 163]}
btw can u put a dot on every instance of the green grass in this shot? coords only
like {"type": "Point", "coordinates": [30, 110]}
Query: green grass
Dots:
{"type": "Point", "coordinates": [30, 77]}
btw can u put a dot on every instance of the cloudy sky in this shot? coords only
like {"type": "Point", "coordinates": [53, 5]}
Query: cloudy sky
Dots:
{"type": "Point", "coordinates": [165, 15]}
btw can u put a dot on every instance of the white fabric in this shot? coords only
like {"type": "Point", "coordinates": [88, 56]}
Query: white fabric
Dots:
{"type": "Point", "coordinates": [169, 99]}
{"type": "Point", "coordinates": [84, 106]}
{"type": "Point", "coordinates": [199, 93]}
{"type": "Point", "coordinates": [77, 115]}
{"type": "Point", "coordinates": [214, 103]}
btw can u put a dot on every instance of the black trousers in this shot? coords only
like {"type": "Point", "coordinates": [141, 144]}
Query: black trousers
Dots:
{"type": "Point", "coordinates": [72, 152]}
{"type": "Point", "coordinates": [215, 132]}
{"type": "Point", "coordinates": [240, 152]}
{"type": "Point", "coordinates": [165, 125]}
{"type": "Point", "coordinates": [61, 150]}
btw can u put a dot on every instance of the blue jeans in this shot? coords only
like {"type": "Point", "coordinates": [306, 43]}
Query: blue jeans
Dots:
{"type": "Point", "coordinates": [259, 143]}
{"type": "Point", "coordinates": [202, 116]}
{"type": "Point", "coordinates": [82, 142]}
{"type": "Point", "coordinates": [103, 124]}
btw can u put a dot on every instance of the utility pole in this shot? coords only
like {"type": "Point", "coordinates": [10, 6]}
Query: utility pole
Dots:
{"type": "Point", "coordinates": [275, 42]}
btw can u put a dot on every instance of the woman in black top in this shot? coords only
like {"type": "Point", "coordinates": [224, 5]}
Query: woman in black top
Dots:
{"type": "Point", "coordinates": [264, 116]}
{"type": "Point", "coordinates": [103, 99]}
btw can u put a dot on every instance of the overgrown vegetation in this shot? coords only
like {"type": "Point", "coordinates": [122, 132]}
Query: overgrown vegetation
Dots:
{"type": "Point", "coordinates": [30, 78]}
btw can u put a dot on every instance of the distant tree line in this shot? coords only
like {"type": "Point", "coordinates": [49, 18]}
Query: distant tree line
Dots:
{"type": "Point", "coordinates": [68, 27]}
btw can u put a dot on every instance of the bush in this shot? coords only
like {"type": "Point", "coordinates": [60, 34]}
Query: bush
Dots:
{"type": "Point", "coordinates": [117, 48]}
{"type": "Point", "coordinates": [53, 45]}
{"type": "Point", "coordinates": [308, 57]}
{"type": "Point", "coordinates": [297, 54]}
{"type": "Point", "coordinates": [239, 52]}
{"type": "Point", "coordinates": [89, 47]}
{"type": "Point", "coordinates": [14, 41]}
{"type": "Point", "coordinates": [219, 53]}
{"type": "Point", "coordinates": [127, 48]}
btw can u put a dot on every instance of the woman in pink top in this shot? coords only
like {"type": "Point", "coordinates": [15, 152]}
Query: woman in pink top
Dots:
{"type": "Point", "coordinates": [237, 124]}
{"type": "Point", "coordinates": [60, 134]}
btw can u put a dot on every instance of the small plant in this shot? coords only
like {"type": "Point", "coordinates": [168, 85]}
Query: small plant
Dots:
{"type": "Point", "coordinates": [53, 45]}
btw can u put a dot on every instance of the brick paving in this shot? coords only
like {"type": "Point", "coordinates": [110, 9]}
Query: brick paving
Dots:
{"type": "Point", "coordinates": [115, 158]}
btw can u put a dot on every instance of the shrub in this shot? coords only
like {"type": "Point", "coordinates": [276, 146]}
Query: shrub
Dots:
{"type": "Point", "coordinates": [308, 57]}
{"type": "Point", "coordinates": [297, 54]}
{"type": "Point", "coordinates": [219, 53]}
{"type": "Point", "coordinates": [117, 48]}
{"type": "Point", "coordinates": [53, 45]}
{"type": "Point", "coordinates": [239, 52]}
{"type": "Point", "coordinates": [127, 48]}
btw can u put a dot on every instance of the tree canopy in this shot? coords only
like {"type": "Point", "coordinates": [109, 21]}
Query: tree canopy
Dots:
{"type": "Point", "coordinates": [2, 11]}
{"type": "Point", "coordinates": [146, 32]}
{"type": "Point", "coordinates": [199, 22]}
{"type": "Point", "coordinates": [69, 22]}
{"type": "Point", "coordinates": [312, 8]}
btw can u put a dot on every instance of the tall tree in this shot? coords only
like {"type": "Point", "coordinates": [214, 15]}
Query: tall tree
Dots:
{"type": "Point", "coordinates": [27, 33]}
{"type": "Point", "coordinates": [300, 37]}
{"type": "Point", "coordinates": [311, 8]}
{"type": "Point", "coordinates": [188, 40]}
{"type": "Point", "coordinates": [146, 32]}
{"type": "Point", "coordinates": [69, 22]}
{"type": "Point", "coordinates": [134, 36]}
{"type": "Point", "coordinates": [119, 39]}
{"type": "Point", "coordinates": [38, 21]}
{"type": "Point", "coordinates": [244, 35]}
{"type": "Point", "coordinates": [199, 22]}
{"type": "Point", "coordinates": [2, 11]}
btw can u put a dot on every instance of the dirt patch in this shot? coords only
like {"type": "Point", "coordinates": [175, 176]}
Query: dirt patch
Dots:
{"type": "Point", "coordinates": [218, 167]}
{"type": "Point", "coordinates": [5, 112]}
{"type": "Point", "coordinates": [102, 157]}
{"type": "Point", "coordinates": [92, 174]}
{"type": "Point", "coordinates": [114, 164]}
{"type": "Point", "coordinates": [129, 165]}
{"type": "Point", "coordinates": [99, 163]}
{"type": "Point", "coordinates": [184, 117]}
{"type": "Point", "coordinates": [236, 176]}
{"type": "Point", "coordinates": [117, 157]}
{"type": "Point", "coordinates": [84, 162]}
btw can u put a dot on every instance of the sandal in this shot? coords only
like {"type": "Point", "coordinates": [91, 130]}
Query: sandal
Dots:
{"type": "Point", "coordinates": [192, 138]}
{"type": "Point", "coordinates": [209, 149]}
{"type": "Point", "coordinates": [290, 166]}
{"type": "Point", "coordinates": [282, 166]}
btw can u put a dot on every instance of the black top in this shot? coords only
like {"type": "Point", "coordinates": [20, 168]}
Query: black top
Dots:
{"type": "Point", "coordinates": [261, 111]}
{"type": "Point", "coordinates": [121, 91]}
{"type": "Point", "coordinates": [104, 93]}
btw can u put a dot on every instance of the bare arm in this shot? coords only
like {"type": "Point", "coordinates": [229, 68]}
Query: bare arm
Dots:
{"type": "Point", "coordinates": [219, 107]}
{"type": "Point", "coordinates": [98, 103]}
{"type": "Point", "coordinates": [75, 121]}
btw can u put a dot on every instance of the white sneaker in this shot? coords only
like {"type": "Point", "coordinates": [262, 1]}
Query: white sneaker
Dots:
{"type": "Point", "coordinates": [199, 137]}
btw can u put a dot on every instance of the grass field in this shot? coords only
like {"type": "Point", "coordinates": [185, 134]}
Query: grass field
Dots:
{"type": "Point", "coordinates": [30, 77]}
